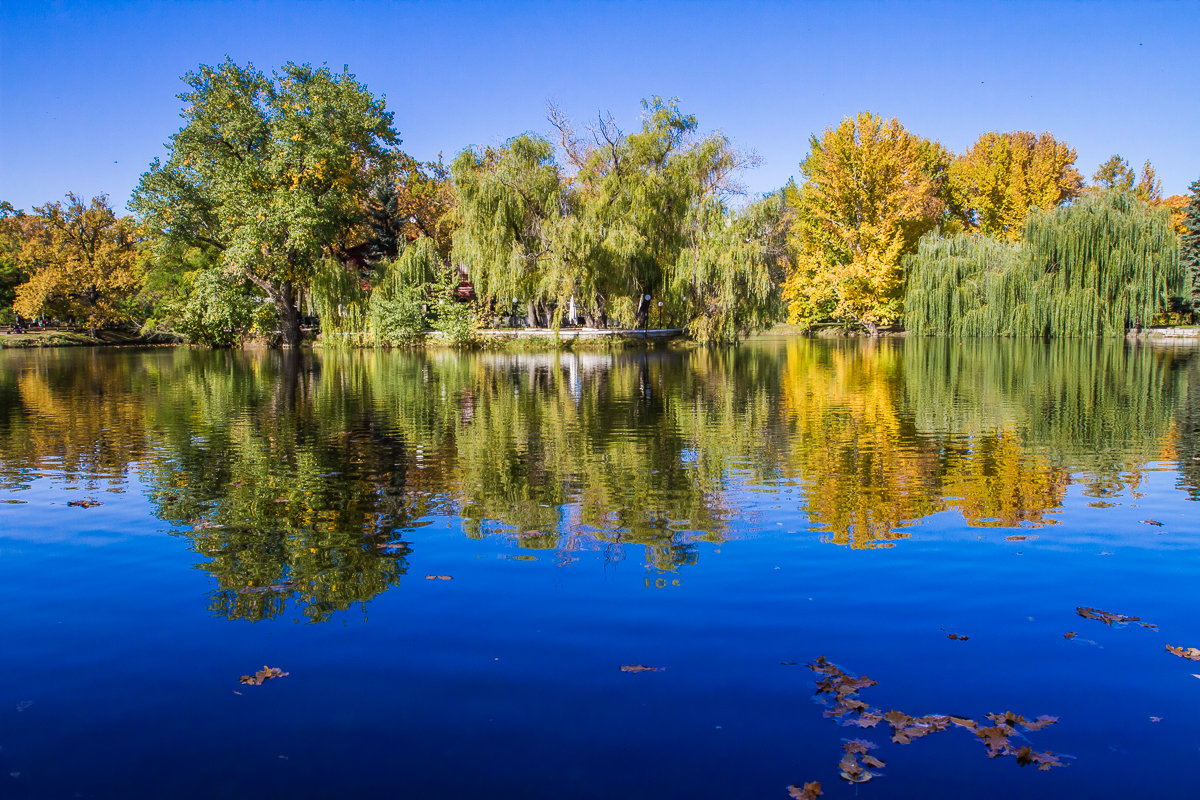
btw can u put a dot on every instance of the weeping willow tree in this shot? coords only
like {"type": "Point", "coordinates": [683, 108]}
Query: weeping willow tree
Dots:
{"type": "Point", "coordinates": [390, 309]}
{"type": "Point", "coordinates": [629, 226]}
{"type": "Point", "coordinates": [726, 281]}
{"type": "Point", "coordinates": [1103, 265]}
{"type": "Point", "coordinates": [510, 200]}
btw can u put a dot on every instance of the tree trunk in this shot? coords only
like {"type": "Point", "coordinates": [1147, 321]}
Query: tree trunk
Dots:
{"type": "Point", "coordinates": [289, 317]}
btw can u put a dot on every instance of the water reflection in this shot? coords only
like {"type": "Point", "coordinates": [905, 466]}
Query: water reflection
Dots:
{"type": "Point", "coordinates": [302, 478]}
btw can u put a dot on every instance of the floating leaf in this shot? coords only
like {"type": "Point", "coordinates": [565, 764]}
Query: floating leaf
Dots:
{"type": "Point", "coordinates": [439, 578]}
{"type": "Point", "coordinates": [957, 636]}
{"type": "Point", "coordinates": [809, 791]}
{"type": "Point", "coordinates": [1070, 635]}
{"type": "Point", "coordinates": [1039, 723]}
{"type": "Point", "coordinates": [1109, 617]}
{"type": "Point", "coordinates": [1156, 719]}
{"type": "Point", "coordinates": [1153, 522]}
{"type": "Point", "coordinates": [640, 668]}
{"type": "Point", "coordinates": [853, 771]}
{"type": "Point", "coordinates": [1190, 653]}
{"type": "Point", "coordinates": [263, 675]}
{"type": "Point", "coordinates": [859, 746]}
{"type": "Point", "coordinates": [85, 503]}
{"type": "Point", "coordinates": [1019, 537]}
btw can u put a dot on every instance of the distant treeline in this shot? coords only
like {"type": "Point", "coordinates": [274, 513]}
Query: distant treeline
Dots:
{"type": "Point", "coordinates": [286, 196]}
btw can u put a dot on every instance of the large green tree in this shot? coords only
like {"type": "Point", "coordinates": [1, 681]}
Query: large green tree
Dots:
{"type": "Point", "coordinates": [273, 171]}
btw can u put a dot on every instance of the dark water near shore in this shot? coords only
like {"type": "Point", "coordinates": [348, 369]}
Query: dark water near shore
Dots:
{"type": "Point", "coordinates": [725, 516]}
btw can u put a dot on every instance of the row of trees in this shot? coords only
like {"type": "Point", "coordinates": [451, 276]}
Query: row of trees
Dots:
{"type": "Point", "coordinates": [872, 195]}
{"type": "Point", "coordinates": [288, 192]}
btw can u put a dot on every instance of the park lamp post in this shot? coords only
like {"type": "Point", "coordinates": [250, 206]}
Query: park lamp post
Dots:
{"type": "Point", "coordinates": [646, 319]}
{"type": "Point", "coordinates": [513, 317]}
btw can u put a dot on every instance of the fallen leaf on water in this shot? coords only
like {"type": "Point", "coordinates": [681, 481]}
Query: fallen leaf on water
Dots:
{"type": "Point", "coordinates": [1070, 635]}
{"type": "Point", "coordinates": [1190, 653]}
{"type": "Point", "coordinates": [957, 636]}
{"type": "Point", "coordinates": [640, 668]}
{"type": "Point", "coordinates": [1101, 504]}
{"type": "Point", "coordinates": [1153, 522]}
{"type": "Point", "coordinates": [439, 578]}
{"type": "Point", "coordinates": [809, 791]}
{"type": "Point", "coordinates": [873, 762]}
{"type": "Point", "coordinates": [859, 746]}
{"type": "Point", "coordinates": [263, 675]}
{"type": "Point", "coordinates": [24, 704]}
{"type": "Point", "coordinates": [996, 740]}
{"type": "Point", "coordinates": [1017, 537]}
{"type": "Point", "coordinates": [85, 503]}
{"type": "Point", "coordinates": [1039, 723]}
{"type": "Point", "coordinates": [853, 771]}
{"type": "Point", "coordinates": [1156, 719]}
{"type": "Point", "coordinates": [1109, 617]}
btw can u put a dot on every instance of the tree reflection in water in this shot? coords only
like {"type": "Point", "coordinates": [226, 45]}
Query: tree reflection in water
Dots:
{"type": "Point", "coordinates": [302, 477]}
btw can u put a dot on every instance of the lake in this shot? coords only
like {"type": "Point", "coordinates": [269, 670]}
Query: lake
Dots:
{"type": "Point", "coordinates": [453, 557]}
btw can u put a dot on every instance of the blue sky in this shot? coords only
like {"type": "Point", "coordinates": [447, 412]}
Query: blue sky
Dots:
{"type": "Point", "coordinates": [87, 89]}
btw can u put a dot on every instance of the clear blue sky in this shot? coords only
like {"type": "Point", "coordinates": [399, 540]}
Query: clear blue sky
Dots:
{"type": "Point", "coordinates": [87, 89]}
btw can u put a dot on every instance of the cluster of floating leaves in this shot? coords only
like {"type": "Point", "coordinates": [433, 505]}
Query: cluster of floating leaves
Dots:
{"type": "Point", "coordinates": [1109, 618]}
{"type": "Point", "coordinates": [439, 577]}
{"type": "Point", "coordinates": [639, 668]}
{"type": "Point", "coordinates": [85, 503]}
{"type": "Point", "coordinates": [839, 690]}
{"type": "Point", "coordinates": [262, 676]}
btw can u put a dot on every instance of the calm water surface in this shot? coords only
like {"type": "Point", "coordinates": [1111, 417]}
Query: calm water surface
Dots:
{"type": "Point", "coordinates": [453, 555]}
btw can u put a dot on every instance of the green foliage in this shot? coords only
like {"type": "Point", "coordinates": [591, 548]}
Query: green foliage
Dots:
{"type": "Point", "coordinates": [272, 171]}
{"type": "Point", "coordinates": [1189, 243]}
{"type": "Point", "coordinates": [629, 215]}
{"type": "Point", "coordinates": [726, 281]}
{"type": "Point", "coordinates": [1098, 267]}
{"type": "Point", "coordinates": [213, 310]}
{"type": "Point", "coordinates": [510, 202]}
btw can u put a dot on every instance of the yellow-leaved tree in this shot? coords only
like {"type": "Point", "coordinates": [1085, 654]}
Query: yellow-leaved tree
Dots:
{"type": "Point", "coordinates": [869, 190]}
{"type": "Point", "coordinates": [81, 260]}
{"type": "Point", "coordinates": [1003, 176]}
